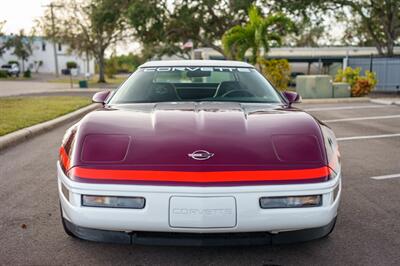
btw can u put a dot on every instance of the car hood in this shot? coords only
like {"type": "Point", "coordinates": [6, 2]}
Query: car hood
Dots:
{"type": "Point", "coordinates": [160, 136]}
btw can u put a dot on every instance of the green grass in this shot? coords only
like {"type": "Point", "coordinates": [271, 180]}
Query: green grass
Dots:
{"type": "Point", "coordinates": [92, 82]}
{"type": "Point", "coordinates": [15, 78]}
{"type": "Point", "coordinates": [20, 112]}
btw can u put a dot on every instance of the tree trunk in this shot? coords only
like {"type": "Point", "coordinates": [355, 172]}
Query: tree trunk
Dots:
{"type": "Point", "coordinates": [87, 63]}
{"type": "Point", "coordinates": [101, 62]}
{"type": "Point", "coordinates": [215, 47]}
{"type": "Point", "coordinates": [390, 47]}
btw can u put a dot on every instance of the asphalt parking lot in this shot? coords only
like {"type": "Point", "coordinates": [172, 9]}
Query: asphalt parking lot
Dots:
{"type": "Point", "coordinates": [367, 231]}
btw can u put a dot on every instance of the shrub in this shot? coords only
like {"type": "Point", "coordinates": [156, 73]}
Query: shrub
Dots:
{"type": "Point", "coordinates": [360, 85]}
{"type": "Point", "coordinates": [13, 62]}
{"type": "Point", "coordinates": [349, 75]}
{"type": "Point", "coordinates": [3, 74]}
{"type": "Point", "coordinates": [372, 77]}
{"type": "Point", "coordinates": [71, 64]}
{"type": "Point", "coordinates": [111, 67]}
{"type": "Point", "coordinates": [364, 85]}
{"type": "Point", "coordinates": [27, 74]}
{"type": "Point", "coordinates": [277, 71]}
{"type": "Point", "coordinates": [125, 68]}
{"type": "Point", "coordinates": [128, 63]}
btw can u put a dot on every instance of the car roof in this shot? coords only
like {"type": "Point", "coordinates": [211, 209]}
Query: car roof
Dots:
{"type": "Point", "coordinates": [196, 63]}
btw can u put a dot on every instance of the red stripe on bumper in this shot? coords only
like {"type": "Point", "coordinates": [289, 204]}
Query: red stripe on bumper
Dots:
{"type": "Point", "coordinates": [200, 177]}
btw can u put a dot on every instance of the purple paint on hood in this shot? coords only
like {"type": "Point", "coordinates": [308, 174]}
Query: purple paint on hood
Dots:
{"type": "Point", "coordinates": [161, 135]}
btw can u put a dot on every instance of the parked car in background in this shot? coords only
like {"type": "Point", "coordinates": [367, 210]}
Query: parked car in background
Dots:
{"type": "Point", "coordinates": [198, 152]}
{"type": "Point", "coordinates": [11, 69]}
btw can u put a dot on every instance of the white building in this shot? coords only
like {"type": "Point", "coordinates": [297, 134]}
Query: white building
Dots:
{"type": "Point", "coordinates": [42, 51]}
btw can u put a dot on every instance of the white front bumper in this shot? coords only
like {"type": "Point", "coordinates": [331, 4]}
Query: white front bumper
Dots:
{"type": "Point", "coordinates": [155, 216]}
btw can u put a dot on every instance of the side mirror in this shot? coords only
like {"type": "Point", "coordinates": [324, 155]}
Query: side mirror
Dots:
{"type": "Point", "coordinates": [100, 97]}
{"type": "Point", "coordinates": [292, 97]}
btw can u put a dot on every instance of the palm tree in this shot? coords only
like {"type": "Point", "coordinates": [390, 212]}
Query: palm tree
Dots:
{"type": "Point", "coordinates": [259, 32]}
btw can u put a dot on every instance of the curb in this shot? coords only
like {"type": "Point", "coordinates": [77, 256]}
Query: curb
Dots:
{"type": "Point", "coordinates": [39, 93]}
{"type": "Point", "coordinates": [337, 100]}
{"type": "Point", "coordinates": [385, 102]}
{"type": "Point", "coordinates": [29, 132]}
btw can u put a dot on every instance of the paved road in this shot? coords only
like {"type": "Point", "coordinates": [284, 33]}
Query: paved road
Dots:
{"type": "Point", "coordinates": [39, 85]}
{"type": "Point", "coordinates": [12, 88]}
{"type": "Point", "coordinates": [42, 88]}
{"type": "Point", "coordinates": [367, 232]}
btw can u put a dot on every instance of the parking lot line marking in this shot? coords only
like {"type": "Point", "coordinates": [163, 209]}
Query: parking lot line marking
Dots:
{"type": "Point", "coordinates": [369, 137]}
{"type": "Point", "coordinates": [381, 177]}
{"type": "Point", "coordinates": [361, 118]}
{"type": "Point", "coordinates": [344, 108]}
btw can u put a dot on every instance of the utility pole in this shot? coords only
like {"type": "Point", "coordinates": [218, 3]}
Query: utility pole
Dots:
{"type": "Point", "coordinates": [53, 33]}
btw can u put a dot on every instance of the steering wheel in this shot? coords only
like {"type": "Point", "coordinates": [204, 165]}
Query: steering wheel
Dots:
{"type": "Point", "coordinates": [238, 93]}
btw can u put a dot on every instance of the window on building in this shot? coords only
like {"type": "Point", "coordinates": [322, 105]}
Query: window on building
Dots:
{"type": "Point", "coordinates": [59, 46]}
{"type": "Point", "coordinates": [43, 46]}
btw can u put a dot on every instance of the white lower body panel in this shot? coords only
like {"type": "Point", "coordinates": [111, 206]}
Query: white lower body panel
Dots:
{"type": "Point", "coordinates": [190, 209]}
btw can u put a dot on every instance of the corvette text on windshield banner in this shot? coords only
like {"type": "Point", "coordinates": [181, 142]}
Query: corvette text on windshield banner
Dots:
{"type": "Point", "coordinates": [196, 69]}
{"type": "Point", "coordinates": [314, 174]}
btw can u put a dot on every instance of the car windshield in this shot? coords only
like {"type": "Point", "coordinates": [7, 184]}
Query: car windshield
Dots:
{"type": "Point", "coordinates": [178, 84]}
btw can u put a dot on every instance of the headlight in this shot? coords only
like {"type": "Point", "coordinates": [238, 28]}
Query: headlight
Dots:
{"type": "Point", "coordinates": [113, 202]}
{"type": "Point", "coordinates": [291, 202]}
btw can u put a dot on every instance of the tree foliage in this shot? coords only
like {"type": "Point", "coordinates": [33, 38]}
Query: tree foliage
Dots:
{"type": "Point", "coordinates": [162, 29]}
{"type": "Point", "coordinates": [22, 46]}
{"type": "Point", "coordinates": [259, 32]}
{"type": "Point", "coordinates": [111, 67]}
{"type": "Point", "coordinates": [371, 22]}
{"type": "Point", "coordinates": [311, 28]}
{"type": "Point", "coordinates": [128, 63]}
{"type": "Point", "coordinates": [277, 71]}
{"type": "Point", "coordinates": [87, 26]}
{"type": "Point", "coordinates": [377, 23]}
{"type": "Point", "coordinates": [308, 34]}
{"type": "Point", "coordinates": [3, 44]}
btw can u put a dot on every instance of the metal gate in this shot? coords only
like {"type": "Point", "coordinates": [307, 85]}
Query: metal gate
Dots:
{"type": "Point", "coordinates": [387, 71]}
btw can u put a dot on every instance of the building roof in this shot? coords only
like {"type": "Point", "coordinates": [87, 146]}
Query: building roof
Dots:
{"type": "Point", "coordinates": [330, 51]}
{"type": "Point", "coordinates": [197, 63]}
{"type": "Point", "coordinates": [307, 54]}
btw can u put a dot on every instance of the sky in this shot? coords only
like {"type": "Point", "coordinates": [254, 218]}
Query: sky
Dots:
{"type": "Point", "coordinates": [20, 14]}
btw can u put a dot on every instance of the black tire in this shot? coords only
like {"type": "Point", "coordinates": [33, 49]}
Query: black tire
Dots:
{"type": "Point", "coordinates": [66, 230]}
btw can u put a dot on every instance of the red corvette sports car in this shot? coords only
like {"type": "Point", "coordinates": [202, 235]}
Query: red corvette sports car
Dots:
{"type": "Point", "coordinates": [198, 153]}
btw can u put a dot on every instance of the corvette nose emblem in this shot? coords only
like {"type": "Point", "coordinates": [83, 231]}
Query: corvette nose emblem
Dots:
{"type": "Point", "coordinates": [201, 155]}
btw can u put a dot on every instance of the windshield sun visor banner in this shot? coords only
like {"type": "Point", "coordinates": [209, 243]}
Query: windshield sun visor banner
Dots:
{"type": "Point", "coordinates": [196, 69]}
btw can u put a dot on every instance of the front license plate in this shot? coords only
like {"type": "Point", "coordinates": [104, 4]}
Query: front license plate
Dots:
{"type": "Point", "coordinates": [202, 212]}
